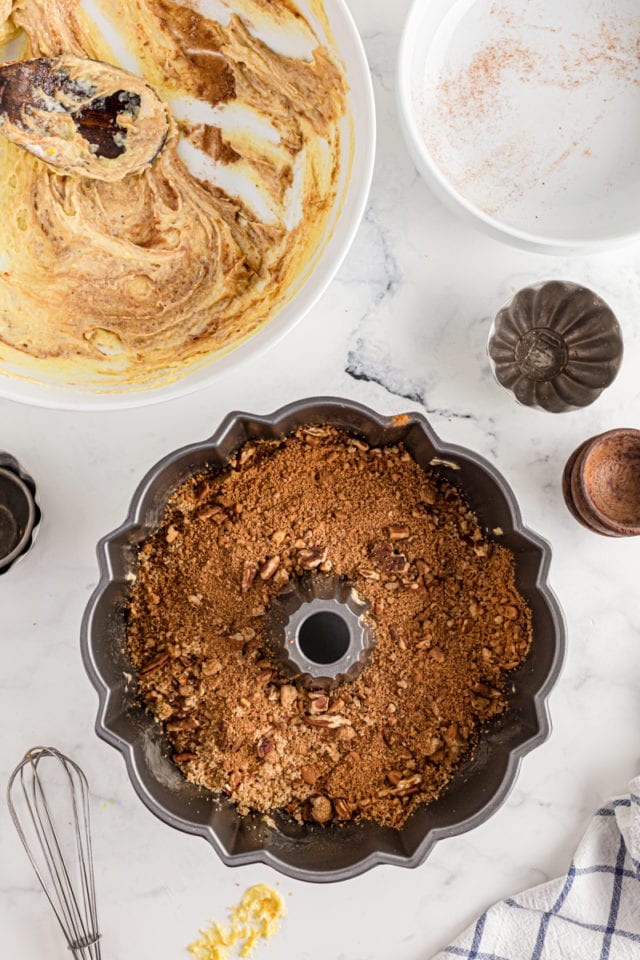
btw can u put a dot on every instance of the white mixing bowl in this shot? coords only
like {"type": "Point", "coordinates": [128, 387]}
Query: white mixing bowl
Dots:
{"type": "Point", "coordinates": [524, 116]}
{"type": "Point", "coordinates": [359, 132]}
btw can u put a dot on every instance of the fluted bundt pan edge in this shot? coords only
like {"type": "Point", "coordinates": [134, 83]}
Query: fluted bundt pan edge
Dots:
{"type": "Point", "coordinates": [311, 852]}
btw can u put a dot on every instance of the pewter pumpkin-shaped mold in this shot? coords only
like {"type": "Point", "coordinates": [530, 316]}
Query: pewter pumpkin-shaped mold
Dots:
{"type": "Point", "coordinates": [311, 852]}
{"type": "Point", "coordinates": [556, 345]}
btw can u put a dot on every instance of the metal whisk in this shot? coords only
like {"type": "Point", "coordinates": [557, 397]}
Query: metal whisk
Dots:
{"type": "Point", "coordinates": [48, 798]}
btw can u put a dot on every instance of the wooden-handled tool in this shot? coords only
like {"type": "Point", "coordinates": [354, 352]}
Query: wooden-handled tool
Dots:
{"type": "Point", "coordinates": [86, 118]}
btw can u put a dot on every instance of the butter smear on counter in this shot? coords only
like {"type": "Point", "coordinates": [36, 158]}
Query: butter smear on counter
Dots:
{"type": "Point", "coordinates": [257, 917]}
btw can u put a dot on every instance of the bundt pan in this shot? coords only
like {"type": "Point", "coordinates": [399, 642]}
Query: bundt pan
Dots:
{"type": "Point", "coordinates": [311, 852]}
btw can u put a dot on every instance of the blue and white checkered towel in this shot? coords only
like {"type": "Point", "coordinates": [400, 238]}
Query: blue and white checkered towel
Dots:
{"type": "Point", "coordinates": [591, 914]}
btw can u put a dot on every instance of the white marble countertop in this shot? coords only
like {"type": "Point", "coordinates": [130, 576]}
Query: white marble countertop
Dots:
{"type": "Point", "coordinates": [404, 326]}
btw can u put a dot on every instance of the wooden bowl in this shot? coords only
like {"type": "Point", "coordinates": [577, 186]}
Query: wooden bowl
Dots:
{"type": "Point", "coordinates": [601, 483]}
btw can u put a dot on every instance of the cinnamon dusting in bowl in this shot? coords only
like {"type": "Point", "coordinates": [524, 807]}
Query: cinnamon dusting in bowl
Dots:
{"type": "Point", "coordinates": [521, 102]}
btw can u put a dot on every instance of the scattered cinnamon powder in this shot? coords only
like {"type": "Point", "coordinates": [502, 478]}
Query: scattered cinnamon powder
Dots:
{"type": "Point", "coordinates": [449, 625]}
{"type": "Point", "coordinates": [483, 118]}
{"type": "Point", "coordinates": [474, 90]}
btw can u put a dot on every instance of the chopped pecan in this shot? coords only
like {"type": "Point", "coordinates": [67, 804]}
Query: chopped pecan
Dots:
{"type": "Point", "coordinates": [431, 746]}
{"type": "Point", "coordinates": [311, 557]}
{"type": "Point", "coordinates": [330, 721]}
{"type": "Point", "coordinates": [237, 641]}
{"type": "Point", "coordinates": [405, 788]}
{"type": "Point", "coordinates": [214, 512]}
{"type": "Point", "coordinates": [398, 532]}
{"type": "Point", "coordinates": [321, 809]}
{"type": "Point", "coordinates": [485, 691]}
{"type": "Point", "coordinates": [184, 757]}
{"type": "Point", "coordinates": [249, 572]}
{"type": "Point", "coordinates": [359, 444]}
{"type": "Point", "coordinates": [269, 567]}
{"type": "Point", "coordinates": [391, 738]}
{"type": "Point", "coordinates": [265, 747]}
{"type": "Point", "coordinates": [173, 534]}
{"type": "Point", "coordinates": [397, 563]}
{"type": "Point", "coordinates": [246, 454]}
{"type": "Point", "coordinates": [187, 723]}
{"type": "Point", "coordinates": [319, 705]}
{"type": "Point", "coordinates": [342, 808]}
{"type": "Point", "coordinates": [395, 636]}
{"type": "Point", "coordinates": [211, 667]}
{"type": "Point", "coordinates": [380, 553]}
{"type": "Point", "coordinates": [310, 773]}
{"type": "Point", "coordinates": [202, 491]}
{"type": "Point", "coordinates": [384, 557]}
{"type": "Point", "coordinates": [153, 664]}
{"type": "Point", "coordinates": [424, 617]}
{"type": "Point", "coordinates": [346, 733]}
{"type": "Point", "coordinates": [288, 696]}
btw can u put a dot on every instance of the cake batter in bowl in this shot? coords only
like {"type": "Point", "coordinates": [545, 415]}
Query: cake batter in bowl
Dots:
{"type": "Point", "coordinates": [125, 292]}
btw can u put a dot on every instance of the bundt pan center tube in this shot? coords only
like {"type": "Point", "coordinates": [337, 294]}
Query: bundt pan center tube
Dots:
{"type": "Point", "coordinates": [309, 851]}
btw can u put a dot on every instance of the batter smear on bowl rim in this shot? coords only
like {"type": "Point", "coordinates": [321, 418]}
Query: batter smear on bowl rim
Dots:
{"type": "Point", "coordinates": [134, 281]}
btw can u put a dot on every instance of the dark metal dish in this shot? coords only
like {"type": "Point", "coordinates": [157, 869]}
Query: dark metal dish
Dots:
{"type": "Point", "coordinates": [311, 852]}
{"type": "Point", "coordinates": [19, 512]}
{"type": "Point", "coordinates": [556, 345]}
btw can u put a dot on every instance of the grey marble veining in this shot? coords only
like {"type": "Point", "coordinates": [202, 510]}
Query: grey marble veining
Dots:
{"type": "Point", "coordinates": [404, 326]}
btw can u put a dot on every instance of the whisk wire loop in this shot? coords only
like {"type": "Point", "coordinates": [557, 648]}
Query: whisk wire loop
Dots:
{"type": "Point", "coordinates": [63, 863]}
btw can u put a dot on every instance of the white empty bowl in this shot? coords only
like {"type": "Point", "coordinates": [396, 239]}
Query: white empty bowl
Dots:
{"type": "Point", "coordinates": [524, 116]}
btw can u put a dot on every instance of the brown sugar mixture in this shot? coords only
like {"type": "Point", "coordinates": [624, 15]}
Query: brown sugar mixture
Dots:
{"type": "Point", "coordinates": [449, 624]}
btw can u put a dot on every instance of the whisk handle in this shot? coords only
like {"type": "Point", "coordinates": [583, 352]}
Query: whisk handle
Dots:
{"type": "Point", "coordinates": [86, 948]}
